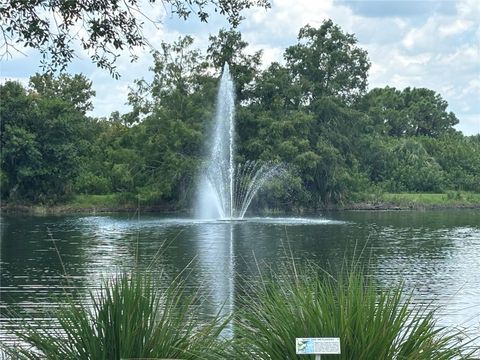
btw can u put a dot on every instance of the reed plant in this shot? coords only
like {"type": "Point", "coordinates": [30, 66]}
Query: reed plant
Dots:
{"type": "Point", "coordinates": [371, 323]}
{"type": "Point", "coordinates": [127, 318]}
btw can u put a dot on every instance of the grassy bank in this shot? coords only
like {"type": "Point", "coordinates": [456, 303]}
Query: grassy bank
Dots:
{"type": "Point", "coordinates": [91, 204]}
{"type": "Point", "coordinates": [365, 201]}
{"type": "Point", "coordinates": [380, 201]}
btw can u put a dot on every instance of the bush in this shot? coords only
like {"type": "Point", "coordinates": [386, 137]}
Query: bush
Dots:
{"type": "Point", "coordinates": [371, 324]}
{"type": "Point", "coordinates": [412, 169]}
{"type": "Point", "coordinates": [128, 318]}
{"type": "Point", "coordinates": [88, 183]}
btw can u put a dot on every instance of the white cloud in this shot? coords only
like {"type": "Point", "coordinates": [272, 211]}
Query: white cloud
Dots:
{"type": "Point", "coordinates": [281, 23]}
{"type": "Point", "coordinates": [294, 14]}
{"type": "Point", "coordinates": [456, 27]}
{"type": "Point", "coordinates": [409, 39]}
{"type": "Point", "coordinates": [419, 59]}
{"type": "Point", "coordinates": [22, 80]}
{"type": "Point", "coordinates": [468, 124]}
{"type": "Point", "coordinates": [271, 54]}
{"type": "Point", "coordinates": [113, 98]}
{"type": "Point", "coordinates": [469, 9]}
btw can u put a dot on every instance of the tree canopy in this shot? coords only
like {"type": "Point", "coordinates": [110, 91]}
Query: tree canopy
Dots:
{"type": "Point", "coordinates": [103, 28]}
{"type": "Point", "coordinates": [42, 140]}
{"type": "Point", "coordinates": [327, 62]}
{"type": "Point", "coordinates": [411, 112]}
{"type": "Point", "coordinates": [76, 89]}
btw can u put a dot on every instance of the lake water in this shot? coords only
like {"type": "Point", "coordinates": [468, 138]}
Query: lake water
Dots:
{"type": "Point", "coordinates": [435, 253]}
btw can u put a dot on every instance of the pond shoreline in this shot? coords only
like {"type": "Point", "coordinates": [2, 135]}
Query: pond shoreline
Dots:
{"type": "Point", "coordinates": [416, 206]}
{"type": "Point", "coordinates": [63, 209]}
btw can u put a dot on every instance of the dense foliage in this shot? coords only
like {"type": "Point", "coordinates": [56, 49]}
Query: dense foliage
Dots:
{"type": "Point", "coordinates": [313, 112]}
{"type": "Point", "coordinates": [42, 139]}
{"type": "Point", "coordinates": [103, 28]}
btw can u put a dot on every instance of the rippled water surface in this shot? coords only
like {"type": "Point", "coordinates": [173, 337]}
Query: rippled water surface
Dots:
{"type": "Point", "coordinates": [435, 253]}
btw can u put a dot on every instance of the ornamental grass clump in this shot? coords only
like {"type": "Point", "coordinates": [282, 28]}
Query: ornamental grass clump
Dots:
{"type": "Point", "coordinates": [371, 323]}
{"type": "Point", "coordinates": [127, 318]}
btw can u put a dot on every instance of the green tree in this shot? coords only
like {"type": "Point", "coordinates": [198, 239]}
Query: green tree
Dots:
{"type": "Point", "coordinates": [177, 108]}
{"type": "Point", "coordinates": [327, 74]}
{"type": "Point", "coordinates": [111, 160]}
{"type": "Point", "coordinates": [374, 156]}
{"type": "Point", "coordinates": [327, 62]}
{"type": "Point", "coordinates": [412, 169]}
{"type": "Point", "coordinates": [301, 113]}
{"type": "Point", "coordinates": [76, 89]}
{"type": "Point", "coordinates": [228, 47]}
{"type": "Point", "coordinates": [411, 112]}
{"type": "Point", "coordinates": [276, 90]}
{"type": "Point", "coordinates": [459, 157]}
{"type": "Point", "coordinates": [427, 112]}
{"type": "Point", "coordinates": [40, 145]}
{"type": "Point", "coordinates": [108, 26]}
{"type": "Point", "coordinates": [386, 108]}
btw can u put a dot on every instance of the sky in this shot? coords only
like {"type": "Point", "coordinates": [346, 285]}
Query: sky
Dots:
{"type": "Point", "coordinates": [417, 43]}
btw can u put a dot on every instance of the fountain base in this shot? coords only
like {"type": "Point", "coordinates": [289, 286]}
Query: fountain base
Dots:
{"type": "Point", "coordinates": [231, 220]}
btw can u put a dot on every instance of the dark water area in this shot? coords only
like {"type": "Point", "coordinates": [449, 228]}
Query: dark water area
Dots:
{"type": "Point", "coordinates": [435, 253]}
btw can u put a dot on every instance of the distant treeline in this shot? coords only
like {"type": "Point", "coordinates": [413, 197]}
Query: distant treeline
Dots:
{"type": "Point", "coordinates": [313, 112]}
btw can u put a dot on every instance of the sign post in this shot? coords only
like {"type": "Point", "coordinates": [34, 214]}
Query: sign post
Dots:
{"type": "Point", "coordinates": [317, 346]}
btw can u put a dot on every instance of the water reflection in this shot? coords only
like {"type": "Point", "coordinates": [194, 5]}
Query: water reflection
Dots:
{"type": "Point", "coordinates": [434, 253]}
{"type": "Point", "coordinates": [215, 249]}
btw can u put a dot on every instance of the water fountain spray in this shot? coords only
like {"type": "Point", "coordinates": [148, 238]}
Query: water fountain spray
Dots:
{"type": "Point", "coordinates": [228, 187]}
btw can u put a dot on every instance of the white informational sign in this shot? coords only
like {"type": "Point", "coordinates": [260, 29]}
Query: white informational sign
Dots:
{"type": "Point", "coordinates": [317, 346]}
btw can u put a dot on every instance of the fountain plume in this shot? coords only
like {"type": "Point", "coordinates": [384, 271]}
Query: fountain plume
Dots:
{"type": "Point", "coordinates": [227, 186]}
